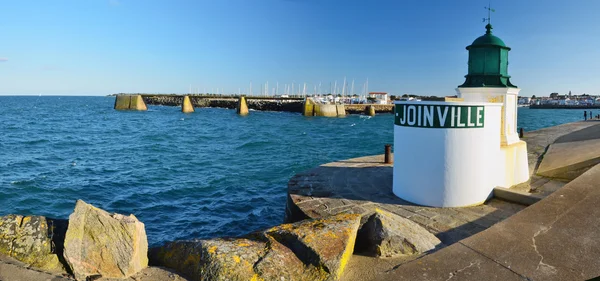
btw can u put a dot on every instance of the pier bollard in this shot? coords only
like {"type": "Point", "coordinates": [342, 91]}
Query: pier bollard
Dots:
{"type": "Point", "coordinates": [521, 133]}
{"type": "Point", "coordinates": [242, 106]}
{"type": "Point", "coordinates": [388, 154]}
{"type": "Point", "coordinates": [187, 106]}
{"type": "Point", "coordinates": [371, 110]}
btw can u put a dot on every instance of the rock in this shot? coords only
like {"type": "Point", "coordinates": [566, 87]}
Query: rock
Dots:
{"type": "Point", "coordinates": [308, 250]}
{"type": "Point", "coordinates": [387, 235]}
{"type": "Point", "coordinates": [101, 244]}
{"type": "Point", "coordinates": [33, 240]}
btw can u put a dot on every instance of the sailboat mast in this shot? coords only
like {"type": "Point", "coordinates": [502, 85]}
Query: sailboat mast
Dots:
{"type": "Point", "coordinates": [304, 90]}
{"type": "Point", "coordinates": [335, 88]}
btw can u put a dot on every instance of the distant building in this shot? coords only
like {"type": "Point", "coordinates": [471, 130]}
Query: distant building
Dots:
{"type": "Point", "coordinates": [524, 100]}
{"type": "Point", "coordinates": [379, 97]}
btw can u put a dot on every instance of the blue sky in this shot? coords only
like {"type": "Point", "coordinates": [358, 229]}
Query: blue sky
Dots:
{"type": "Point", "coordinates": [100, 47]}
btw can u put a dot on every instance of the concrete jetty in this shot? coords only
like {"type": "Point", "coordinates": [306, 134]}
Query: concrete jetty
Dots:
{"type": "Point", "coordinates": [499, 240]}
{"type": "Point", "coordinates": [229, 102]}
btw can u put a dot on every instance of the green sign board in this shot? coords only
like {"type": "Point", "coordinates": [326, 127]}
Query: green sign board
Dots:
{"type": "Point", "coordinates": [439, 116]}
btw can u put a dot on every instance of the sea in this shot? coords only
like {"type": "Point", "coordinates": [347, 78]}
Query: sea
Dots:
{"type": "Point", "coordinates": [206, 174]}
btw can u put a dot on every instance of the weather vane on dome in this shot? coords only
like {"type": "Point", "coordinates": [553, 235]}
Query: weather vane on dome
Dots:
{"type": "Point", "coordinates": [490, 10]}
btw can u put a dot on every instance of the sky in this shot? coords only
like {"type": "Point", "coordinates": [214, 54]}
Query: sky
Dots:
{"type": "Point", "coordinates": [102, 47]}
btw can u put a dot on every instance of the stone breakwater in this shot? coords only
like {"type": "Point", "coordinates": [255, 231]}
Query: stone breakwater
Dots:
{"type": "Point", "coordinates": [257, 103]}
{"type": "Point", "coordinates": [362, 108]}
{"type": "Point", "coordinates": [227, 102]}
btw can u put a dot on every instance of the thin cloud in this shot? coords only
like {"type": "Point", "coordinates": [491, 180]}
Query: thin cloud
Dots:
{"type": "Point", "coordinates": [3, 59]}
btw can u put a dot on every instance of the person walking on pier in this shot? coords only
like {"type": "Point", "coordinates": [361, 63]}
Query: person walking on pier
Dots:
{"type": "Point", "coordinates": [585, 115]}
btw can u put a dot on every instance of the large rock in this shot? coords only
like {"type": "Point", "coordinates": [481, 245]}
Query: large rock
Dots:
{"type": "Point", "coordinates": [307, 250]}
{"type": "Point", "coordinates": [387, 235]}
{"type": "Point", "coordinates": [101, 244]}
{"type": "Point", "coordinates": [33, 240]}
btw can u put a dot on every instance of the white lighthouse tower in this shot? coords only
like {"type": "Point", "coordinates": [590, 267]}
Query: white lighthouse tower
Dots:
{"type": "Point", "coordinates": [453, 154]}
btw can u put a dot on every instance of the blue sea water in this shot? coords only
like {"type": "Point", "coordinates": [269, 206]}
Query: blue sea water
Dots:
{"type": "Point", "coordinates": [206, 174]}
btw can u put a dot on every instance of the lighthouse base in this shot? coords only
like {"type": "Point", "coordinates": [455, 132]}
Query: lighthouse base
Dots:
{"type": "Point", "coordinates": [516, 165]}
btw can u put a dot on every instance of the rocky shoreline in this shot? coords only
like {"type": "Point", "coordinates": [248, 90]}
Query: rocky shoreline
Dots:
{"type": "Point", "coordinates": [94, 244]}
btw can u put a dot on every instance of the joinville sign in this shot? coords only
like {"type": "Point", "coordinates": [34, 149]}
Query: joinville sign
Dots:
{"type": "Point", "coordinates": [439, 116]}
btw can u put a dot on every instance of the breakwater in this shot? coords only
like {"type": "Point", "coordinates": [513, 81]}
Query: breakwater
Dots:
{"type": "Point", "coordinates": [255, 103]}
{"type": "Point", "coordinates": [285, 104]}
{"type": "Point", "coordinates": [362, 108]}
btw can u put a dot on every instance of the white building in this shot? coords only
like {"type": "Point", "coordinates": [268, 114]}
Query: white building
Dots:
{"type": "Point", "coordinates": [379, 97]}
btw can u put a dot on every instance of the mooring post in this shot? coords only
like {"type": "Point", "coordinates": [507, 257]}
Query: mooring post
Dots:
{"type": "Point", "coordinates": [388, 154]}
{"type": "Point", "coordinates": [521, 133]}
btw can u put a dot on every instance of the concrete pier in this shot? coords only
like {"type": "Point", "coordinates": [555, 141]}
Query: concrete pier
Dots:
{"type": "Point", "coordinates": [500, 239]}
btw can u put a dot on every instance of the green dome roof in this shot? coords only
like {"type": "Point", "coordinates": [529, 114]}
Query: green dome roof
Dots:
{"type": "Point", "coordinates": [488, 40]}
{"type": "Point", "coordinates": [488, 62]}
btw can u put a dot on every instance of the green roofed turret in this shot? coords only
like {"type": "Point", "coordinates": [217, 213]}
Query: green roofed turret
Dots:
{"type": "Point", "coordinates": [488, 62]}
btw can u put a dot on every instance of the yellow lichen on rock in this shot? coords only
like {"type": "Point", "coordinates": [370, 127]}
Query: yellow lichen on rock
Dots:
{"type": "Point", "coordinates": [212, 250]}
{"type": "Point", "coordinates": [98, 243]}
{"type": "Point", "coordinates": [27, 239]}
{"type": "Point", "coordinates": [308, 250]}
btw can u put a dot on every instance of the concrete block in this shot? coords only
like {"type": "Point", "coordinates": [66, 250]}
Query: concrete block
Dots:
{"type": "Point", "coordinates": [187, 106]}
{"type": "Point", "coordinates": [137, 103]}
{"type": "Point", "coordinates": [242, 106]}
{"type": "Point", "coordinates": [341, 110]}
{"type": "Point", "coordinates": [122, 102]}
